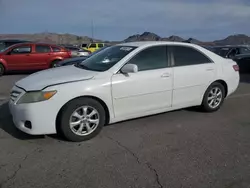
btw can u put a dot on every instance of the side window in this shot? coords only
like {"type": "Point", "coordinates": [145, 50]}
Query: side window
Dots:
{"type": "Point", "coordinates": [55, 49]}
{"type": "Point", "coordinates": [21, 50]}
{"type": "Point", "coordinates": [93, 45]}
{"type": "Point", "coordinates": [151, 58]}
{"type": "Point", "coordinates": [42, 49]}
{"type": "Point", "coordinates": [184, 56]}
{"type": "Point", "coordinates": [100, 45]}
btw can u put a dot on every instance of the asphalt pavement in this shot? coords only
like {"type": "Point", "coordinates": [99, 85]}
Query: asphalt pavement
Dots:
{"type": "Point", "coordinates": [180, 149]}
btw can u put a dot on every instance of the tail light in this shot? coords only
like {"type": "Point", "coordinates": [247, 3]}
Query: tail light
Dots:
{"type": "Point", "coordinates": [236, 67]}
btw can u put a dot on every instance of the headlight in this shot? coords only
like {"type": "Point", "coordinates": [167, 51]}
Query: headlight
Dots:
{"type": "Point", "coordinates": [36, 96]}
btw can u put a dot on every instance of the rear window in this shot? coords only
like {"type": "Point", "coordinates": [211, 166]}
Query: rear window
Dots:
{"type": "Point", "coordinates": [56, 49]}
{"type": "Point", "coordinates": [100, 45]}
{"type": "Point", "coordinates": [42, 49]}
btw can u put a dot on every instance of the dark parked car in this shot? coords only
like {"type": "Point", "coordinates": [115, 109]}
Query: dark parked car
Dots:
{"type": "Point", "coordinates": [9, 42]}
{"type": "Point", "coordinates": [231, 51]}
{"type": "Point", "coordinates": [243, 60]}
{"type": "Point", "coordinates": [31, 56]}
{"type": "Point", "coordinates": [240, 54]}
{"type": "Point", "coordinates": [75, 60]}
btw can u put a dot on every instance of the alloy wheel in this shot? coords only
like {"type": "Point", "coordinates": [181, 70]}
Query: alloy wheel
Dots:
{"type": "Point", "coordinates": [214, 98]}
{"type": "Point", "coordinates": [84, 120]}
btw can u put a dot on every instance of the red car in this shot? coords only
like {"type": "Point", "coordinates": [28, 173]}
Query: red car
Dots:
{"type": "Point", "coordinates": [31, 56]}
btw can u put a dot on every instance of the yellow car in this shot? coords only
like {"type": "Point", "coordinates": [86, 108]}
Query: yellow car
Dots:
{"type": "Point", "coordinates": [94, 46]}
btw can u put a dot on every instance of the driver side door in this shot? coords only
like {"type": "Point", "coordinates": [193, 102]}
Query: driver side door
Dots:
{"type": "Point", "coordinates": [147, 91]}
{"type": "Point", "coordinates": [18, 58]}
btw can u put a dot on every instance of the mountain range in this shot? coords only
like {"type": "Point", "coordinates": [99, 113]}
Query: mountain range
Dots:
{"type": "Point", "coordinates": [146, 36]}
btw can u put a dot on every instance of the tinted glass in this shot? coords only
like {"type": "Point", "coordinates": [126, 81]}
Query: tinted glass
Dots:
{"type": "Point", "coordinates": [100, 45]}
{"type": "Point", "coordinates": [72, 48]}
{"type": "Point", "coordinates": [188, 56]}
{"type": "Point", "coordinates": [84, 45]}
{"type": "Point", "coordinates": [42, 49]}
{"type": "Point", "coordinates": [55, 49]}
{"type": "Point", "coordinates": [21, 50]}
{"type": "Point", "coordinates": [151, 58]}
{"type": "Point", "coordinates": [221, 51]}
{"type": "Point", "coordinates": [106, 58]}
{"type": "Point", "coordinates": [92, 46]}
{"type": "Point", "coordinates": [2, 46]}
{"type": "Point", "coordinates": [244, 50]}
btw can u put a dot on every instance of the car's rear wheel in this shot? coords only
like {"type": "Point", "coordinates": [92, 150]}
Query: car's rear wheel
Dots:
{"type": "Point", "coordinates": [82, 119]}
{"type": "Point", "coordinates": [214, 97]}
{"type": "Point", "coordinates": [54, 63]}
{"type": "Point", "coordinates": [2, 69]}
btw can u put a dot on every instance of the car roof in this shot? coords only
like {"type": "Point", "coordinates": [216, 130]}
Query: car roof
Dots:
{"type": "Point", "coordinates": [152, 43]}
{"type": "Point", "coordinates": [13, 40]}
{"type": "Point", "coordinates": [232, 46]}
{"type": "Point", "coordinates": [39, 43]}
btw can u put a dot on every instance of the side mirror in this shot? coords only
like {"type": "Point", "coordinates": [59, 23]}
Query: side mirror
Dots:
{"type": "Point", "coordinates": [129, 68]}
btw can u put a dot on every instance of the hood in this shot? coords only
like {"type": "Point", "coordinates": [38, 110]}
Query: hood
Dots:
{"type": "Point", "coordinates": [54, 76]}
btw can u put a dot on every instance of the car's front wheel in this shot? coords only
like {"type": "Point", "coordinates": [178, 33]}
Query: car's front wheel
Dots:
{"type": "Point", "coordinates": [54, 63]}
{"type": "Point", "coordinates": [213, 98]}
{"type": "Point", "coordinates": [82, 119]}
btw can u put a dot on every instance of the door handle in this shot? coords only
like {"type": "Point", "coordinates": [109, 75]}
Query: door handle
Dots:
{"type": "Point", "coordinates": [165, 75]}
{"type": "Point", "coordinates": [209, 69]}
{"type": "Point", "coordinates": [27, 54]}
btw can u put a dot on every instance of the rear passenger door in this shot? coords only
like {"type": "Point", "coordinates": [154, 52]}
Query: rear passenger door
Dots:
{"type": "Point", "coordinates": [41, 56]}
{"type": "Point", "coordinates": [193, 72]}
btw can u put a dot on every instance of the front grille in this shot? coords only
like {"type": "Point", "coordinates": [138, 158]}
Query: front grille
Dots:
{"type": "Point", "coordinates": [14, 95]}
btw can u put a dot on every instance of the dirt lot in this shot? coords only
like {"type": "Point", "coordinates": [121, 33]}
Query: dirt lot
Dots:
{"type": "Point", "coordinates": [179, 149]}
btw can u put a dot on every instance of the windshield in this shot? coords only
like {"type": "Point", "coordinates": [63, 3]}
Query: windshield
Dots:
{"type": "Point", "coordinates": [2, 46]}
{"type": "Point", "coordinates": [106, 58]}
{"type": "Point", "coordinates": [244, 50]}
{"type": "Point", "coordinates": [6, 48]}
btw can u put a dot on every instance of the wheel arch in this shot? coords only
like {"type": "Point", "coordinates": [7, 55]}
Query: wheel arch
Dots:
{"type": "Point", "coordinates": [3, 63]}
{"type": "Point", "coordinates": [107, 112]}
{"type": "Point", "coordinates": [222, 82]}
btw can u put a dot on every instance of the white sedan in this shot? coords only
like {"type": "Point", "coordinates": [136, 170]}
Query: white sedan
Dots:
{"type": "Point", "coordinates": [122, 82]}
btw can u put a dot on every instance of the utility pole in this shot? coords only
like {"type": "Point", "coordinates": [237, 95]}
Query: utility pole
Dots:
{"type": "Point", "coordinates": [92, 29]}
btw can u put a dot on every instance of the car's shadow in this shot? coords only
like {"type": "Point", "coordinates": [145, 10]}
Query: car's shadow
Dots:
{"type": "Point", "coordinates": [7, 125]}
{"type": "Point", "coordinates": [245, 78]}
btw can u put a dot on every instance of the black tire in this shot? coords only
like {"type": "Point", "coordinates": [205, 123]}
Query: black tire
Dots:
{"type": "Point", "coordinates": [2, 69]}
{"type": "Point", "coordinates": [205, 103]}
{"type": "Point", "coordinates": [70, 108]}
{"type": "Point", "coordinates": [53, 63]}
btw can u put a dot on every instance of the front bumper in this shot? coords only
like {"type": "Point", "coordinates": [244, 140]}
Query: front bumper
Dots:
{"type": "Point", "coordinates": [41, 115]}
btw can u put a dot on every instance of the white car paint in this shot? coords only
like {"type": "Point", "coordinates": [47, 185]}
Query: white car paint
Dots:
{"type": "Point", "coordinates": [126, 96]}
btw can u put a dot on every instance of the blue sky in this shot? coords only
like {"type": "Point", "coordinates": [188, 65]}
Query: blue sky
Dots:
{"type": "Point", "coordinates": [117, 19]}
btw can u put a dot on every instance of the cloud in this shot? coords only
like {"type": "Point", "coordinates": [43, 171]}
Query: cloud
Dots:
{"type": "Point", "coordinates": [116, 19]}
